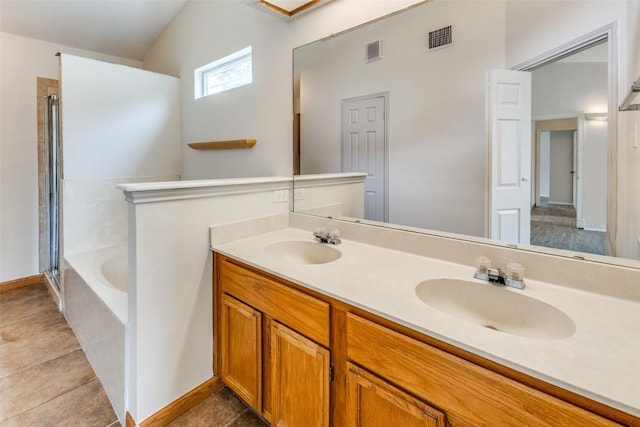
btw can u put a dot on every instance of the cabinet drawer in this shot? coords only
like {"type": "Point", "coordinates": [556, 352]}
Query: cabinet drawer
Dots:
{"type": "Point", "coordinates": [467, 393]}
{"type": "Point", "coordinates": [301, 312]}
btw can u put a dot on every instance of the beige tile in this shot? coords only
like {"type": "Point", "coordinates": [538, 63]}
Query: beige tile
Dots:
{"type": "Point", "coordinates": [219, 409]}
{"type": "Point", "coordinates": [20, 308]}
{"type": "Point", "coordinates": [34, 339]}
{"type": "Point", "coordinates": [85, 406]}
{"type": "Point", "coordinates": [23, 292]}
{"type": "Point", "coordinates": [248, 419]}
{"type": "Point", "coordinates": [40, 383]}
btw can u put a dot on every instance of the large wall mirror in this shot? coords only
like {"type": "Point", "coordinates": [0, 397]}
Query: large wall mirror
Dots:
{"type": "Point", "coordinates": [379, 99]}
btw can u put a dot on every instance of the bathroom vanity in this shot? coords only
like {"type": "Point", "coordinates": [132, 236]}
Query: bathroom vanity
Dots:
{"type": "Point", "coordinates": [310, 334]}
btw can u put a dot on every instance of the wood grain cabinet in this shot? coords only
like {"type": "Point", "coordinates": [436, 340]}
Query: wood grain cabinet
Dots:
{"type": "Point", "coordinates": [372, 402]}
{"type": "Point", "coordinates": [272, 342]}
{"type": "Point", "coordinates": [300, 380]}
{"type": "Point", "coordinates": [276, 344]}
{"type": "Point", "coordinates": [241, 349]}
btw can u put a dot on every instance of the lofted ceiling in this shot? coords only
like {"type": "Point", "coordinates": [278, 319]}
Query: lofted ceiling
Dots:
{"type": "Point", "coordinates": [124, 28]}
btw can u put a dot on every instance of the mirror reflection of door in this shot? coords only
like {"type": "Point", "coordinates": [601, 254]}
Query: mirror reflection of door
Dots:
{"type": "Point", "coordinates": [364, 148]}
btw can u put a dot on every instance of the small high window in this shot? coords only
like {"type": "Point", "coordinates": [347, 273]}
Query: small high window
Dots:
{"type": "Point", "coordinates": [226, 73]}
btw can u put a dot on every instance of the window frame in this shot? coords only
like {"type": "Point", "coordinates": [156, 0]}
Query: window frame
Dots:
{"type": "Point", "coordinates": [226, 63]}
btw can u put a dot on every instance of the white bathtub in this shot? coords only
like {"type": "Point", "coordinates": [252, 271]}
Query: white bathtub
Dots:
{"type": "Point", "coordinates": [94, 290]}
{"type": "Point", "coordinates": [105, 272]}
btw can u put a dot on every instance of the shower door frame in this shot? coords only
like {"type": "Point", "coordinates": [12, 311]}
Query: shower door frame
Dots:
{"type": "Point", "coordinates": [49, 186]}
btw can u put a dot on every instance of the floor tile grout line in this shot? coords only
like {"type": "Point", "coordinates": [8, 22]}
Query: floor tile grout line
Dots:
{"type": "Point", "coordinates": [236, 417]}
{"type": "Point", "coordinates": [49, 400]}
{"type": "Point", "coordinates": [45, 361]}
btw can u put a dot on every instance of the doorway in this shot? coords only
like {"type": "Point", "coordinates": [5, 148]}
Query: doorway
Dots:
{"type": "Point", "coordinates": [571, 84]}
{"type": "Point", "coordinates": [364, 149]}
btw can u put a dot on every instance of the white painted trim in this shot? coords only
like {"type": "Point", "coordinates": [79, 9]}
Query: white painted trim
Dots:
{"type": "Point", "coordinates": [327, 179]}
{"type": "Point", "coordinates": [149, 192]}
{"type": "Point", "coordinates": [589, 227]}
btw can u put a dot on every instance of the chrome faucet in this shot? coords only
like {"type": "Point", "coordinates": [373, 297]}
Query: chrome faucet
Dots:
{"type": "Point", "coordinates": [512, 277]}
{"type": "Point", "coordinates": [332, 237]}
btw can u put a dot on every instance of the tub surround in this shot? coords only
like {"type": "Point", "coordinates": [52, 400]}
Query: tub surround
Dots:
{"type": "Point", "coordinates": [97, 312]}
{"type": "Point", "coordinates": [91, 267]}
{"type": "Point", "coordinates": [380, 268]}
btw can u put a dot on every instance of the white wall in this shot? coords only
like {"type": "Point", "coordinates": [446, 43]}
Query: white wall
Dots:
{"type": "Point", "coordinates": [22, 60]}
{"type": "Point", "coordinates": [203, 32]}
{"type": "Point", "coordinates": [544, 163]}
{"type": "Point", "coordinates": [595, 176]}
{"type": "Point", "coordinates": [436, 122]}
{"type": "Point", "coordinates": [118, 121]}
{"type": "Point", "coordinates": [170, 291]}
{"type": "Point", "coordinates": [564, 89]}
{"type": "Point", "coordinates": [120, 124]}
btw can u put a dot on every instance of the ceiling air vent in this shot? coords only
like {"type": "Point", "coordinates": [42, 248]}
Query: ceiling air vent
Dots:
{"type": "Point", "coordinates": [440, 38]}
{"type": "Point", "coordinates": [374, 51]}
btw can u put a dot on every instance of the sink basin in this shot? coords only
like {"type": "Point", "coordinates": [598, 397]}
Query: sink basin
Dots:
{"type": "Point", "coordinates": [302, 252]}
{"type": "Point", "coordinates": [497, 308]}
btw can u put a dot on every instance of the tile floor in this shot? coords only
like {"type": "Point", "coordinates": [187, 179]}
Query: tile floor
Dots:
{"type": "Point", "coordinates": [46, 380]}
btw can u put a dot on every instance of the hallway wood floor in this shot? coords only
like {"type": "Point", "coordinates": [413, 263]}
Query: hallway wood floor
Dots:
{"type": "Point", "coordinates": [46, 379]}
{"type": "Point", "coordinates": [554, 226]}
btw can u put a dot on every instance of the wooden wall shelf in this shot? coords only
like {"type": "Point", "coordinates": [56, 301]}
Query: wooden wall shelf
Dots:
{"type": "Point", "coordinates": [223, 145]}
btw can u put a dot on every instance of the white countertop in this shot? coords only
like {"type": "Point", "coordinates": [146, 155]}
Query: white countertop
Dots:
{"type": "Point", "coordinates": [601, 360]}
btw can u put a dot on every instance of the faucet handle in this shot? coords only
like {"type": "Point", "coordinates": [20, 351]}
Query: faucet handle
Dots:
{"type": "Point", "coordinates": [320, 231]}
{"type": "Point", "coordinates": [483, 264]}
{"type": "Point", "coordinates": [515, 271]}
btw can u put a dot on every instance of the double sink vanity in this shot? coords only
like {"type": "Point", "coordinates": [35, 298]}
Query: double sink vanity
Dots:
{"type": "Point", "coordinates": [390, 327]}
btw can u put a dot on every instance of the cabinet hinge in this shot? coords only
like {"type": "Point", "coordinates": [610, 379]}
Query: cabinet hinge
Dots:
{"type": "Point", "coordinates": [331, 372]}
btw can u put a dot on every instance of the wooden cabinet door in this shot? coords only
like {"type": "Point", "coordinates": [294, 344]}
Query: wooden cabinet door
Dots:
{"type": "Point", "coordinates": [372, 402]}
{"type": "Point", "coordinates": [241, 350]}
{"type": "Point", "coordinates": [299, 380]}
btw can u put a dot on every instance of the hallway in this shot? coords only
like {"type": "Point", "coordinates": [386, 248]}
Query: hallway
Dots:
{"type": "Point", "coordinates": [554, 226]}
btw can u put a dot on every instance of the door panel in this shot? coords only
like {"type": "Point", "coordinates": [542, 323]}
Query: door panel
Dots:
{"type": "Point", "coordinates": [509, 115]}
{"type": "Point", "coordinates": [372, 402]}
{"type": "Point", "coordinates": [240, 348]}
{"type": "Point", "coordinates": [299, 368]}
{"type": "Point", "coordinates": [363, 150]}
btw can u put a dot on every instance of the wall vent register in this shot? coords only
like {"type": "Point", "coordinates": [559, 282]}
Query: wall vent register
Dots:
{"type": "Point", "coordinates": [374, 51]}
{"type": "Point", "coordinates": [440, 38]}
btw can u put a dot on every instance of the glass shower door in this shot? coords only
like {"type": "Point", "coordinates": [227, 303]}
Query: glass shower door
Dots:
{"type": "Point", "coordinates": [53, 185]}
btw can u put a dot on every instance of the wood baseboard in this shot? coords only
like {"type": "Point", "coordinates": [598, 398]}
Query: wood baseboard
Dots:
{"type": "Point", "coordinates": [129, 421]}
{"type": "Point", "coordinates": [24, 281]}
{"type": "Point", "coordinates": [179, 406]}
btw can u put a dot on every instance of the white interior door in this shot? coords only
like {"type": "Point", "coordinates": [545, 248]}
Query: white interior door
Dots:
{"type": "Point", "coordinates": [363, 150]}
{"type": "Point", "coordinates": [580, 132]}
{"type": "Point", "coordinates": [509, 115]}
